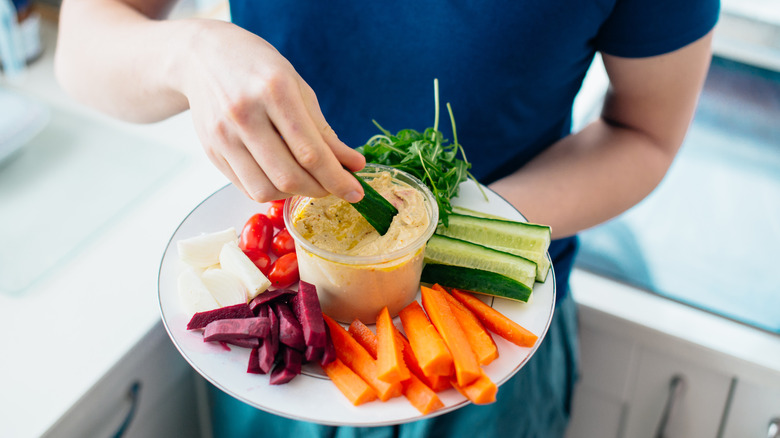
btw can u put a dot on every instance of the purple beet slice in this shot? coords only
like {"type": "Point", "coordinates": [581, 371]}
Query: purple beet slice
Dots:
{"type": "Point", "coordinates": [306, 305]}
{"type": "Point", "coordinates": [263, 311]}
{"type": "Point", "coordinates": [329, 352]}
{"type": "Point", "coordinates": [245, 343]}
{"type": "Point", "coordinates": [266, 355]}
{"type": "Point", "coordinates": [269, 346]}
{"type": "Point", "coordinates": [270, 296]}
{"type": "Point", "coordinates": [232, 329]}
{"type": "Point", "coordinates": [290, 331]}
{"type": "Point", "coordinates": [202, 319]}
{"type": "Point", "coordinates": [288, 368]}
{"type": "Point", "coordinates": [253, 367]}
{"type": "Point", "coordinates": [312, 354]}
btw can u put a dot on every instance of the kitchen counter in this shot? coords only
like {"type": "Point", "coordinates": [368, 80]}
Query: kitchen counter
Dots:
{"type": "Point", "coordinates": [70, 328]}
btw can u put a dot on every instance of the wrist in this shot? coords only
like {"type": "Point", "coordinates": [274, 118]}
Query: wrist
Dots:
{"type": "Point", "coordinates": [177, 57]}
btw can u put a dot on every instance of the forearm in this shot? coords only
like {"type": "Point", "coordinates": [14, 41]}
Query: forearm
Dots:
{"type": "Point", "coordinates": [612, 164]}
{"type": "Point", "coordinates": [113, 57]}
{"type": "Point", "coordinates": [258, 121]}
{"type": "Point", "coordinates": [587, 178]}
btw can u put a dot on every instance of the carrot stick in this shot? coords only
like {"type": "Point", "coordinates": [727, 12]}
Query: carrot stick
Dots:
{"type": "Point", "coordinates": [421, 396]}
{"type": "Point", "coordinates": [481, 391]}
{"type": "Point", "coordinates": [427, 344]}
{"type": "Point", "coordinates": [389, 357]}
{"type": "Point", "coordinates": [479, 338]}
{"type": "Point", "coordinates": [466, 366]}
{"type": "Point", "coordinates": [364, 336]}
{"type": "Point", "coordinates": [349, 351]}
{"type": "Point", "coordinates": [434, 381]}
{"type": "Point", "coordinates": [350, 384]}
{"type": "Point", "coordinates": [495, 321]}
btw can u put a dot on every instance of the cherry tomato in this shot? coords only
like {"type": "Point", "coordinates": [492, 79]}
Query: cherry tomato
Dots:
{"type": "Point", "coordinates": [260, 259]}
{"type": "Point", "coordinates": [276, 213]}
{"type": "Point", "coordinates": [258, 233]}
{"type": "Point", "coordinates": [284, 271]}
{"type": "Point", "coordinates": [283, 243]}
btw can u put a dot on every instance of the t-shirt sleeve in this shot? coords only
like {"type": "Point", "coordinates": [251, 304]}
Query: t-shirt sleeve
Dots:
{"type": "Point", "coordinates": [640, 28]}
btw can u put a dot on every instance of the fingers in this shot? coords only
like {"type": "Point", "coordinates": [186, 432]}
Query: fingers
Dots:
{"type": "Point", "coordinates": [315, 148]}
{"type": "Point", "coordinates": [350, 158]}
{"type": "Point", "coordinates": [271, 140]}
{"type": "Point", "coordinates": [282, 169]}
{"type": "Point", "coordinates": [230, 156]}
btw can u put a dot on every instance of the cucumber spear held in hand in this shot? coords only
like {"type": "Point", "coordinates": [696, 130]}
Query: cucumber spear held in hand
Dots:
{"type": "Point", "coordinates": [377, 210]}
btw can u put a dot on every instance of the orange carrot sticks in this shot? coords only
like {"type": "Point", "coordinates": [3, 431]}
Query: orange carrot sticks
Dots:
{"type": "Point", "coordinates": [481, 391]}
{"type": "Point", "coordinates": [421, 395]}
{"type": "Point", "coordinates": [467, 368]}
{"type": "Point", "coordinates": [389, 359]}
{"type": "Point", "coordinates": [436, 382]}
{"type": "Point", "coordinates": [353, 355]}
{"type": "Point", "coordinates": [479, 338]}
{"type": "Point", "coordinates": [350, 384]}
{"type": "Point", "coordinates": [427, 344]}
{"type": "Point", "coordinates": [364, 336]}
{"type": "Point", "coordinates": [495, 321]}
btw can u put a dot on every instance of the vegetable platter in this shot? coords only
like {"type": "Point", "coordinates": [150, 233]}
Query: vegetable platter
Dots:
{"type": "Point", "coordinates": [312, 396]}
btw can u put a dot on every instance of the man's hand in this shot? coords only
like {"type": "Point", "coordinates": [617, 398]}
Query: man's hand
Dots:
{"type": "Point", "coordinates": [258, 120]}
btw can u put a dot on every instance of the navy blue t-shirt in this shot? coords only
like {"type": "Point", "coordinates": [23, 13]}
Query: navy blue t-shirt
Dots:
{"type": "Point", "coordinates": [510, 69]}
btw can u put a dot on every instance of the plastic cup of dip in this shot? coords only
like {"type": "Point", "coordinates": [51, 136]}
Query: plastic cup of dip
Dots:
{"type": "Point", "coordinates": [358, 286]}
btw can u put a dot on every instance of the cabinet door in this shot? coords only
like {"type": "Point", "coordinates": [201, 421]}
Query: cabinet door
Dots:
{"type": "Point", "coordinates": [753, 409]}
{"type": "Point", "coordinates": [594, 414]}
{"type": "Point", "coordinates": [605, 370]}
{"type": "Point", "coordinates": [697, 401]}
{"type": "Point", "coordinates": [149, 393]}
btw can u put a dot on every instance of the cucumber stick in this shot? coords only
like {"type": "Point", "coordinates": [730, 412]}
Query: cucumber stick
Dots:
{"type": "Point", "coordinates": [377, 210]}
{"type": "Point", "coordinates": [475, 280]}
{"type": "Point", "coordinates": [469, 212]}
{"type": "Point", "coordinates": [449, 251]}
{"type": "Point", "coordinates": [530, 241]}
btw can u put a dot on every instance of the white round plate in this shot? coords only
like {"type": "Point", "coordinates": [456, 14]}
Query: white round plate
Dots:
{"type": "Point", "coordinates": [311, 396]}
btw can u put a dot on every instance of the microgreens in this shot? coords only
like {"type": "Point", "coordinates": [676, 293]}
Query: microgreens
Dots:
{"type": "Point", "coordinates": [427, 155]}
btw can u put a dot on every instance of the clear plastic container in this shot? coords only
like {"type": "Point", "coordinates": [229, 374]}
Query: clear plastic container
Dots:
{"type": "Point", "coordinates": [359, 287]}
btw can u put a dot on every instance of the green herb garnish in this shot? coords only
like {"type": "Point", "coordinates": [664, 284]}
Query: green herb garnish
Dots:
{"type": "Point", "coordinates": [426, 155]}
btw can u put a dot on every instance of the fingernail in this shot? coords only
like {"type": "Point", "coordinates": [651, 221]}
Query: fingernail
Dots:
{"type": "Point", "coordinates": [353, 197]}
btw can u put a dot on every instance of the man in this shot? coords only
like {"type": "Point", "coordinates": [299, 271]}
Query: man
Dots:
{"type": "Point", "coordinates": [270, 92]}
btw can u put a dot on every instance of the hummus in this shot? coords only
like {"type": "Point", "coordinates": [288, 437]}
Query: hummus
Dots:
{"type": "Point", "coordinates": [333, 224]}
{"type": "Point", "coordinates": [356, 271]}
